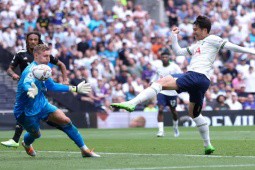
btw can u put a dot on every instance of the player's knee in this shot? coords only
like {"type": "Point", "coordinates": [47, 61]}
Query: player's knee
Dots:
{"type": "Point", "coordinates": [66, 120]}
{"type": "Point", "coordinates": [36, 135]}
{"type": "Point", "coordinates": [197, 110]}
{"type": "Point", "coordinates": [156, 86]}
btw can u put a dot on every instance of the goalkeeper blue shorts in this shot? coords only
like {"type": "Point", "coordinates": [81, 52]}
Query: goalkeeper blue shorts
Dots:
{"type": "Point", "coordinates": [32, 123]}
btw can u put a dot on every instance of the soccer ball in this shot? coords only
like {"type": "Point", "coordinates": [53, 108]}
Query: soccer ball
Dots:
{"type": "Point", "coordinates": [42, 72]}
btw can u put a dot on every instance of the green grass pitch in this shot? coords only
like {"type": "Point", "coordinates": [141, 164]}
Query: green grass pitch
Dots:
{"type": "Point", "coordinates": [136, 148]}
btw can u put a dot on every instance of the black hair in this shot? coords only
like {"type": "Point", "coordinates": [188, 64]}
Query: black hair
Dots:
{"type": "Point", "coordinates": [164, 51]}
{"type": "Point", "coordinates": [30, 33]}
{"type": "Point", "coordinates": [203, 22]}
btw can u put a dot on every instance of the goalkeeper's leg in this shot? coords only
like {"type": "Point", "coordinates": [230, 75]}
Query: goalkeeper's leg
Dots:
{"type": "Point", "coordinates": [54, 125]}
{"type": "Point", "coordinates": [58, 117]}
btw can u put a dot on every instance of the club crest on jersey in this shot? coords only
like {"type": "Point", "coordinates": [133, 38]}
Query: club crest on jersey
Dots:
{"type": "Point", "coordinates": [197, 51]}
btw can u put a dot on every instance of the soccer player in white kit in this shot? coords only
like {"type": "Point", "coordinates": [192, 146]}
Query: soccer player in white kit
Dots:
{"type": "Point", "coordinates": [166, 97]}
{"type": "Point", "coordinates": [196, 80]}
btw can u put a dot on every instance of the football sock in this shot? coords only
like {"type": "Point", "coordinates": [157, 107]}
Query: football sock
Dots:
{"type": "Point", "coordinates": [29, 138]}
{"type": "Point", "coordinates": [146, 94]}
{"type": "Point", "coordinates": [175, 124]}
{"type": "Point", "coordinates": [73, 133]}
{"type": "Point", "coordinates": [161, 126]}
{"type": "Point", "coordinates": [18, 132]}
{"type": "Point", "coordinates": [203, 129]}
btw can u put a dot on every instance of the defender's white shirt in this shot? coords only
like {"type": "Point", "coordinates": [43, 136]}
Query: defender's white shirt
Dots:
{"type": "Point", "coordinates": [162, 71]}
{"type": "Point", "coordinates": [204, 53]}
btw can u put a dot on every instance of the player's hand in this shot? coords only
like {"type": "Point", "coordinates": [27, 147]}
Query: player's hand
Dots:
{"type": "Point", "coordinates": [32, 91]}
{"type": "Point", "coordinates": [83, 88]}
{"type": "Point", "coordinates": [15, 77]}
{"type": "Point", "coordinates": [175, 30]}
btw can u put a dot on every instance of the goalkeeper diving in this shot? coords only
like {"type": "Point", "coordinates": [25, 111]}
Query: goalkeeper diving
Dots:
{"type": "Point", "coordinates": [32, 106]}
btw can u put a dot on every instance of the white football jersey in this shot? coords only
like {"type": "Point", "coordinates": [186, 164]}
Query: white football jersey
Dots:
{"type": "Point", "coordinates": [162, 71]}
{"type": "Point", "coordinates": [204, 53]}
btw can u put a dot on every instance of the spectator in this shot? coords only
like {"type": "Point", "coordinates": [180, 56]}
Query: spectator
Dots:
{"type": "Point", "coordinates": [250, 103]}
{"type": "Point", "coordinates": [233, 103]}
{"type": "Point", "coordinates": [249, 79]}
{"type": "Point", "coordinates": [221, 105]}
{"type": "Point", "coordinates": [42, 21]}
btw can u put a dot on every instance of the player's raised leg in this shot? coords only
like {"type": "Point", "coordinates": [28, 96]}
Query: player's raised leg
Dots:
{"type": "Point", "coordinates": [72, 132]}
{"type": "Point", "coordinates": [166, 83]}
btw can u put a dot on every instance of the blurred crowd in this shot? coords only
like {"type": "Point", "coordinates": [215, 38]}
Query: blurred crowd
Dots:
{"type": "Point", "coordinates": [118, 50]}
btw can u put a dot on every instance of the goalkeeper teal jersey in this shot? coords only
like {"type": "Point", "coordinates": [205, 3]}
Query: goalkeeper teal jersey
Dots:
{"type": "Point", "coordinates": [30, 106]}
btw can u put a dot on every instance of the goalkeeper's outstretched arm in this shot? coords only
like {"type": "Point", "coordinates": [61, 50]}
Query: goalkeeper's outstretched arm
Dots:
{"type": "Point", "coordinates": [82, 87]}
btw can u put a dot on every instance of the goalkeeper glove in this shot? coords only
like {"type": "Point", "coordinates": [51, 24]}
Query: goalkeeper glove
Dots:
{"type": "Point", "coordinates": [32, 91]}
{"type": "Point", "coordinates": [82, 87]}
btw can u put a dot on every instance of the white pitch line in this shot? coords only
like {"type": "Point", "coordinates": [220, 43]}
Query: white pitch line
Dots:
{"type": "Point", "coordinates": [142, 154]}
{"type": "Point", "coordinates": [188, 167]}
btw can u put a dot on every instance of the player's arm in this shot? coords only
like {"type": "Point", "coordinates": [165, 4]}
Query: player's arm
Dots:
{"type": "Point", "coordinates": [233, 47]}
{"type": "Point", "coordinates": [14, 63]}
{"type": "Point", "coordinates": [175, 45]}
{"type": "Point", "coordinates": [82, 87]}
{"type": "Point", "coordinates": [62, 67]}
{"type": "Point", "coordinates": [29, 85]}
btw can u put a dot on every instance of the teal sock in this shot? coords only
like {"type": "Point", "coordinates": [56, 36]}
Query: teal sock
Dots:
{"type": "Point", "coordinates": [29, 139]}
{"type": "Point", "coordinates": [73, 134]}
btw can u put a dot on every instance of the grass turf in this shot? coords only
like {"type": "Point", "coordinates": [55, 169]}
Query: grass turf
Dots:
{"type": "Point", "coordinates": [136, 148]}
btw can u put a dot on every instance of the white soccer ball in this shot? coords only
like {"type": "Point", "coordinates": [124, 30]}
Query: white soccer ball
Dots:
{"type": "Point", "coordinates": [42, 72]}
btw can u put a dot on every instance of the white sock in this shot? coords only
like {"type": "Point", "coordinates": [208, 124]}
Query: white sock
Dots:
{"type": "Point", "coordinates": [84, 147]}
{"type": "Point", "coordinates": [175, 124]}
{"type": "Point", "coordinates": [161, 126]}
{"type": "Point", "coordinates": [203, 129]}
{"type": "Point", "coordinates": [146, 94]}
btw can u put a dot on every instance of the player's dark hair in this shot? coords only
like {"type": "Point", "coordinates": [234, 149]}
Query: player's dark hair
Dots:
{"type": "Point", "coordinates": [203, 22]}
{"type": "Point", "coordinates": [164, 51]}
{"type": "Point", "coordinates": [30, 33]}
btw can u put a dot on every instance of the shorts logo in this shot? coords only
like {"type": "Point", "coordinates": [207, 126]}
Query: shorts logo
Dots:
{"type": "Point", "coordinates": [173, 103]}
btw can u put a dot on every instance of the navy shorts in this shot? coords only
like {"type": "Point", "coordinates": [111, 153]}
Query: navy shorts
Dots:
{"type": "Point", "coordinates": [164, 100]}
{"type": "Point", "coordinates": [196, 84]}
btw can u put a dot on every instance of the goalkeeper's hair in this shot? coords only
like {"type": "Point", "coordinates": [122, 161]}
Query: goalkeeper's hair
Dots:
{"type": "Point", "coordinates": [35, 33]}
{"type": "Point", "coordinates": [203, 22]}
{"type": "Point", "coordinates": [41, 48]}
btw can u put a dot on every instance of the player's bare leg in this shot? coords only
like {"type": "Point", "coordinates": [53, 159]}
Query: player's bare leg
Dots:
{"type": "Point", "coordinates": [61, 119]}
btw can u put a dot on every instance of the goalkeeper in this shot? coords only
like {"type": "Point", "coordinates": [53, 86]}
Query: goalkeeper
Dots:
{"type": "Point", "coordinates": [32, 106]}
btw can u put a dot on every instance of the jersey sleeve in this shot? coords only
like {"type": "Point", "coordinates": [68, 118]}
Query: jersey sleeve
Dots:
{"type": "Point", "coordinates": [15, 60]}
{"type": "Point", "coordinates": [28, 80]}
{"type": "Point", "coordinates": [57, 87]}
{"type": "Point", "coordinates": [53, 60]}
{"type": "Point", "coordinates": [216, 41]}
